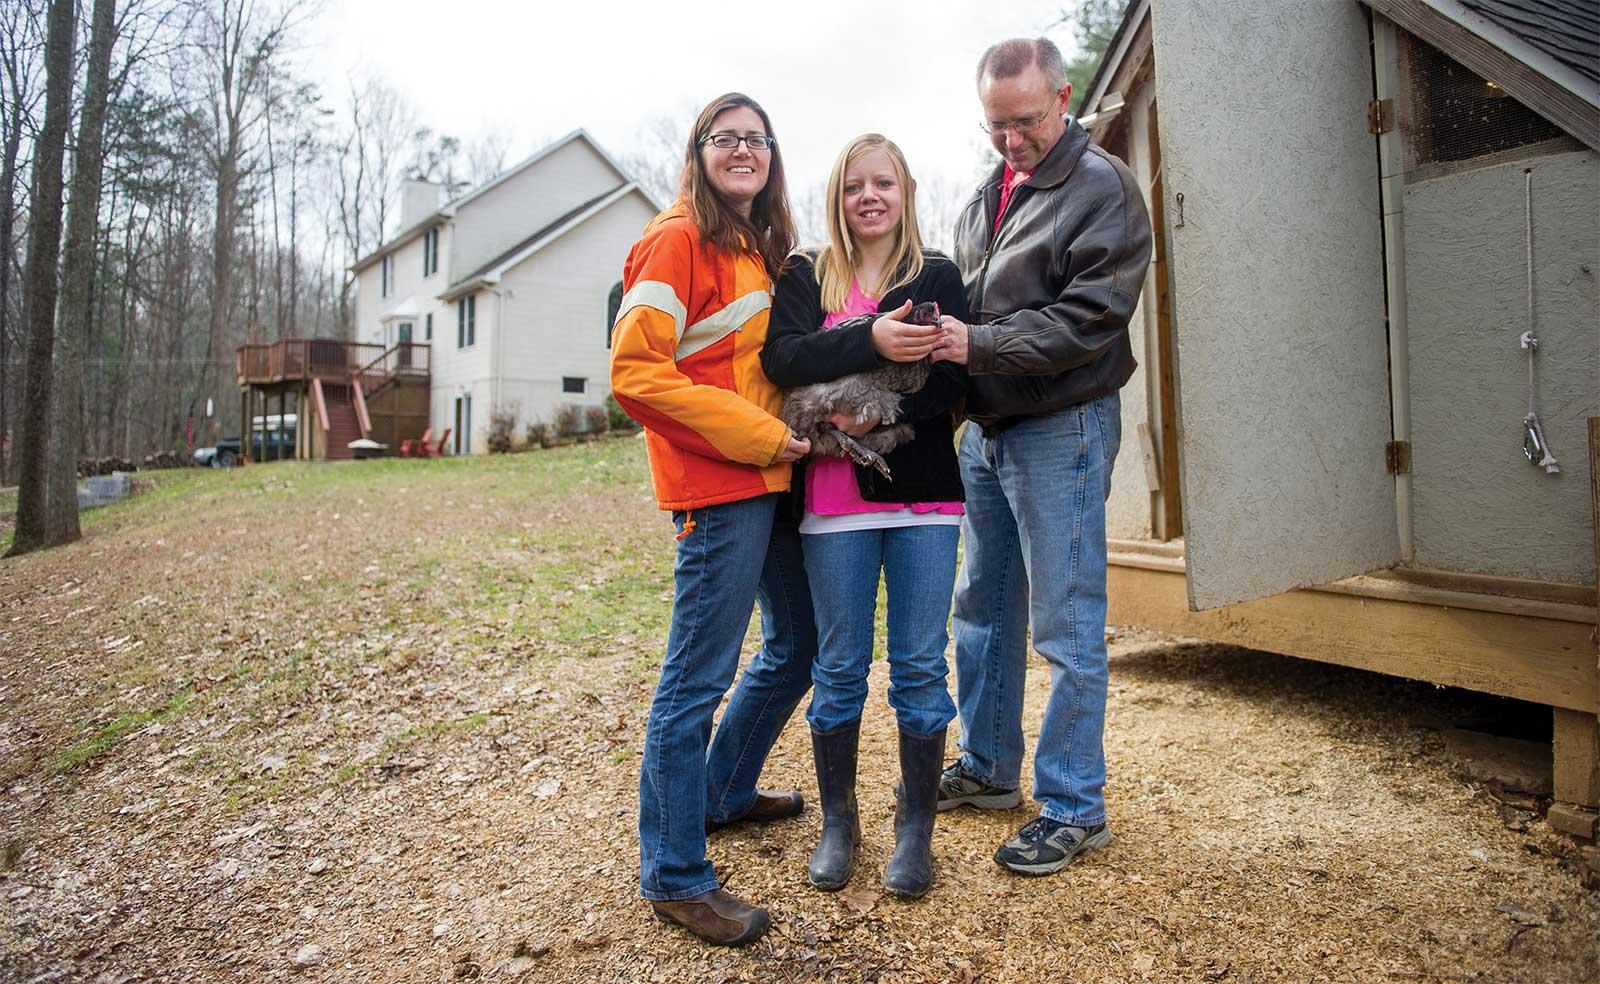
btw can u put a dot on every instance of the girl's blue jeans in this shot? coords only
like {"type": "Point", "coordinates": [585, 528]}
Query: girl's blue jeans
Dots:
{"type": "Point", "coordinates": [918, 566]}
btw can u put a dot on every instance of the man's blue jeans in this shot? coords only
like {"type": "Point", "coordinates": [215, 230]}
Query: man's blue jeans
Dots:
{"type": "Point", "coordinates": [919, 570]}
{"type": "Point", "coordinates": [1035, 557]}
{"type": "Point", "coordinates": [737, 553]}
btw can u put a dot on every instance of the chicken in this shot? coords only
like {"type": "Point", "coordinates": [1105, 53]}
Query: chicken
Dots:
{"type": "Point", "coordinates": [864, 395]}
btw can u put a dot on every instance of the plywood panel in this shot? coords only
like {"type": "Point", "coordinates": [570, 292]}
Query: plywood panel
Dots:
{"type": "Point", "coordinates": [1281, 361]}
{"type": "Point", "coordinates": [1548, 661]}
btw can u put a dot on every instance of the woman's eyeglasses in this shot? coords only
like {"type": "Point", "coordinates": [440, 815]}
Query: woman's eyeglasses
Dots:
{"type": "Point", "coordinates": [728, 141]}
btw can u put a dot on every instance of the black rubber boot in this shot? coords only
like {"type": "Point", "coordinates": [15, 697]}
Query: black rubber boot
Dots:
{"type": "Point", "coordinates": [835, 752]}
{"type": "Point", "coordinates": [910, 872]}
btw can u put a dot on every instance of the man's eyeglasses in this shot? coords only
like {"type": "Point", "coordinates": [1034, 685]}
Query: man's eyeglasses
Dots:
{"type": "Point", "coordinates": [1025, 125]}
{"type": "Point", "coordinates": [728, 141]}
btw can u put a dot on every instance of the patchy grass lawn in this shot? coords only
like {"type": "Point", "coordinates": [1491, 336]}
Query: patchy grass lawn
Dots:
{"type": "Point", "coordinates": [387, 716]}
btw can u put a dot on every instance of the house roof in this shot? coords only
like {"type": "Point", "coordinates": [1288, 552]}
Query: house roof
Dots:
{"type": "Point", "coordinates": [493, 270]}
{"type": "Point", "coordinates": [1115, 50]}
{"type": "Point", "coordinates": [1566, 30]}
{"type": "Point", "coordinates": [405, 309]}
{"type": "Point", "coordinates": [450, 209]}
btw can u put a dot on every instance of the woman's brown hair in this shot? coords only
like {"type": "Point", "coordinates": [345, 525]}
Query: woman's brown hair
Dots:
{"type": "Point", "coordinates": [769, 230]}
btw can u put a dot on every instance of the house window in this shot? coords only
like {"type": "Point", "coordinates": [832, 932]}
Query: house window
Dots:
{"type": "Point", "coordinates": [613, 305]}
{"type": "Point", "coordinates": [572, 384]}
{"type": "Point", "coordinates": [386, 272]}
{"type": "Point", "coordinates": [463, 433]}
{"type": "Point", "coordinates": [467, 321]}
{"type": "Point", "coordinates": [427, 327]}
{"type": "Point", "coordinates": [405, 333]}
{"type": "Point", "coordinates": [430, 252]}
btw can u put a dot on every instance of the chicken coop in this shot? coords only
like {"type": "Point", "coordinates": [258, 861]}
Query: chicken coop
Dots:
{"type": "Point", "coordinates": [1364, 428]}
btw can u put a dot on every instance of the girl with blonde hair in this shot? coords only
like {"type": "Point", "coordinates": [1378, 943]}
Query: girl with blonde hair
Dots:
{"type": "Point", "coordinates": [857, 525]}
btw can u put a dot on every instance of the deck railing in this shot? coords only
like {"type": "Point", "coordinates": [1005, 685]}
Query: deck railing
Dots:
{"type": "Point", "coordinates": [326, 358]}
{"type": "Point", "coordinates": [404, 359]}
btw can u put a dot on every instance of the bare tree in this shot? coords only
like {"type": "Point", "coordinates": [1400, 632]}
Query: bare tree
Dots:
{"type": "Point", "coordinates": [380, 147]}
{"type": "Point", "coordinates": [44, 248]}
{"type": "Point", "coordinates": [77, 279]}
{"type": "Point", "coordinates": [655, 159]}
{"type": "Point", "coordinates": [237, 40]}
{"type": "Point", "coordinates": [19, 41]}
{"type": "Point", "coordinates": [486, 157]}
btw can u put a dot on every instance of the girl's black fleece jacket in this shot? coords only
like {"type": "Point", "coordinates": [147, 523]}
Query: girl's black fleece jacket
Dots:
{"type": "Point", "coordinates": [798, 352]}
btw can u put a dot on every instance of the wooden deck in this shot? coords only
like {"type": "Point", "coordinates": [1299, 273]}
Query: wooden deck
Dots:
{"type": "Point", "coordinates": [323, 358]}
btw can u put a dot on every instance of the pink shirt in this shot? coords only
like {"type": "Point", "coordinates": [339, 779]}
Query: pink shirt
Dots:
{"type": "Point", "coordinates": [831, 488]}
{"type": "Point", "coordinates": [1008, 186]}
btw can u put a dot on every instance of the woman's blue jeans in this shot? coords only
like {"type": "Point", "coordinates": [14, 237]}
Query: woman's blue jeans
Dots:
{"type": "Point", "coordinates": [736, 553]}
{"type": "Point", "coordinates": [1036, 560]}
{"type": "Point", "coordinates": [919, 570]}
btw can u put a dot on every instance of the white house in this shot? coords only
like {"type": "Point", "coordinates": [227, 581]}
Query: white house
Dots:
{"type": "Point", "coordinates": [509, 286]}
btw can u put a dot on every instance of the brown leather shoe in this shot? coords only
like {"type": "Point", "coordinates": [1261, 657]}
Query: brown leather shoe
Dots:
{"type": "Point", "coordinates": [716, 917]}
{"type": "Point", "coordinates": [769, 805]}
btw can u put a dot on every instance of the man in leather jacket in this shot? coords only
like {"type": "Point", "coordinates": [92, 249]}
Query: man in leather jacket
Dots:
{"type": "Point", "coordinates": [1053, 251]}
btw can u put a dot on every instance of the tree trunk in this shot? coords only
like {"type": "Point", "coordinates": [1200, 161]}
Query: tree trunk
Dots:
{"type": "Point", "coordinates": [77, 282]}
{"type": "Point", "coordinates": [15, 118]}
{"type": "Point", "coordinates": [44, 250]}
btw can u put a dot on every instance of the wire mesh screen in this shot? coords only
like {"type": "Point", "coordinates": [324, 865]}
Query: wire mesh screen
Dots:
{"type": "Point", "coordinates": [1451, 118]}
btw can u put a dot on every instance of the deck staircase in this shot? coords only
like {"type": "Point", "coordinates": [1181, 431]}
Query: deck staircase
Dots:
{"type": "Point", "coordinates": [338, 416]}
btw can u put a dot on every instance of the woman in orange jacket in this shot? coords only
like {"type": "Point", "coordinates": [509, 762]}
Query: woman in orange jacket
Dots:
{"type": "Point", "coordinates": [685, 363]}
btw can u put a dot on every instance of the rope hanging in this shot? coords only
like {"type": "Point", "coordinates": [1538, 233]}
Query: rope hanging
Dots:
{"type": "Point", "coordinates": [1533, 442]}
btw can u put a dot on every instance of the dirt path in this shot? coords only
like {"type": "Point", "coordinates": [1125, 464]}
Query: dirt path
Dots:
{"type": "Point", "coordinates": [386, 718]}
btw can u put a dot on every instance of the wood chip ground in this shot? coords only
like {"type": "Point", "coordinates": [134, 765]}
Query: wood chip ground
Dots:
{"type": "Point", "coordinates": [381, 722]}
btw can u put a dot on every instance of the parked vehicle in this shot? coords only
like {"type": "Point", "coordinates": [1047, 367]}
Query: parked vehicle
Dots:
{"type": "Point", "coordinates": [271, 439]}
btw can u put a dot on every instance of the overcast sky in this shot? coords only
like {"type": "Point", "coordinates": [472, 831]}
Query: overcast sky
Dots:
{"type": "Point", "coordinates": [825, 70]}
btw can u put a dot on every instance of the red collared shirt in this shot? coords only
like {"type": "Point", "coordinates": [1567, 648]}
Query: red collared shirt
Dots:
{"type": "Point", "coordinates": [1008, 184]}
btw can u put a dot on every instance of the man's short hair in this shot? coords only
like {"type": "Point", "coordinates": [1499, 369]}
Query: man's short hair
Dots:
{"type": "Point", "coordinates": [1008, 59]}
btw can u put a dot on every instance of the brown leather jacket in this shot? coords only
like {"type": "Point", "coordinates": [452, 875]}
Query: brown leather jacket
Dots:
{"type": "Point", "coordinates": [1051, 296]}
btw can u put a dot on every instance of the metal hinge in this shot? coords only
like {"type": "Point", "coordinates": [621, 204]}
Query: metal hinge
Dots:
{"type": "Point", "coordinates": [1380, 116]}
{"type": "Point", "coordinates": [1397, 457]}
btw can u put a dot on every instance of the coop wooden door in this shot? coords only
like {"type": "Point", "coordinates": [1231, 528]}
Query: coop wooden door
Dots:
{"type": "Point", "coordinates": [1272, 212]}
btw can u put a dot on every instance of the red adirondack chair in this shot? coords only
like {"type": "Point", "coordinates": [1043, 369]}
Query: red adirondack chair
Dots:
{"type": "Point", "coordinates": [416, 448]}
{"type": "Point", "coordinates": [438, 448]}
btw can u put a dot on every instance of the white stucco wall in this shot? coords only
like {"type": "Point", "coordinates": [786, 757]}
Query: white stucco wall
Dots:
{"type": "Point", "coordinates": [1479, 506]}
{"type": "Point", "coordinates": [555, 307]}
{"type": "Point", "coordinates": [1278, 293]}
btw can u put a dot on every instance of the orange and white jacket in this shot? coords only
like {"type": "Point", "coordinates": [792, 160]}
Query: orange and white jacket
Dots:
{"type": "Point", "coordinates": [686, 363]}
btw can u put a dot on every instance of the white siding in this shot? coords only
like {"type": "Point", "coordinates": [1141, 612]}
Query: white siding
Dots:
{"type": "Point", "coordinates": [517, 208]}
{"type": "Point", "coordinates": [555, 307]}
{"type": "Point", "coordinates": [408, 283]}
{"type": "Point", "coordinates": [462, 370]}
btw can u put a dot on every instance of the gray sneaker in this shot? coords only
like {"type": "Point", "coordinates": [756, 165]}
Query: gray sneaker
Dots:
{"type": "Point", "coordinates": [1045, 846]}
{"type": "Point", "coordinates": [959, 787]}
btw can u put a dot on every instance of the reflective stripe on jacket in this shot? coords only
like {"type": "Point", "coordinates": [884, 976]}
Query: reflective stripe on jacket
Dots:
{"type": "Point", "coordinates": [686, 363]}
